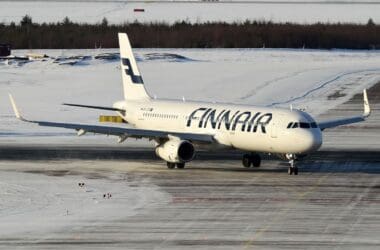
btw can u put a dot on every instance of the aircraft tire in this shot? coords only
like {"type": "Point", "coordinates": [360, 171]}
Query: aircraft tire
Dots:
{"type": "Point", "coordinates": [290, 170]}
{"type": "Point", "coordinates": [256, 160]}
{"type": "Point", "coordinates": [246, 161]}
{"type": "Point", "coordinates": [180, 165]}
{"type": "Point", "coordinates": [295, 170]}
{"type": "Point", "coordinates": [170, 165]}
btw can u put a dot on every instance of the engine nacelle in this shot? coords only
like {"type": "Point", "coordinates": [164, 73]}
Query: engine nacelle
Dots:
{"type": "Point", "coordinates": [176, 151]}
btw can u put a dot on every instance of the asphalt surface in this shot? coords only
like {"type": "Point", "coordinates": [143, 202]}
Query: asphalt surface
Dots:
{"type": "Point", "coordinates": [215, 203]}
{"type": "Point", "coordinates": [65, 152]}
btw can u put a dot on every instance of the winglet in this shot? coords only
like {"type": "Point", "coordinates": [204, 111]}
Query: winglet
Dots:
{"type": "Point", "coordinates": [15, 109]}
{"type": "Point", "coordinates": [367, 108]}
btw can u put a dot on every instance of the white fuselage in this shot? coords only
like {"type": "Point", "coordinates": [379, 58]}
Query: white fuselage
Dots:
{"type": "Point", "coordinates": [249, 128]}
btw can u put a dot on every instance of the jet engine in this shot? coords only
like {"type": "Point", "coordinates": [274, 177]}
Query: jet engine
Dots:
{"type": "Point", "coordinates": [176, 151]}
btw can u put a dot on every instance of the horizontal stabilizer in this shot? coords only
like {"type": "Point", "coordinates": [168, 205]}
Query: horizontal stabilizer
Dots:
{"type": "Point", "coordinates": [93, 107]}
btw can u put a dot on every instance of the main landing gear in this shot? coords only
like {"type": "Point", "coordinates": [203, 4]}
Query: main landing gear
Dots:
{"type": "Point", "coordinates": [293, 169]}
{"type": "Point", "coordinates": [251, 160]}
{"type": "Point", "coordinates": [172, 165]}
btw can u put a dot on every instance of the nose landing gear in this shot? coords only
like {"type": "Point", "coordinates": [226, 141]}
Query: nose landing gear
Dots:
{"type": "Point", "coordinates": [251, 160]}
{"type": "Point", "coordinates": [293, 169]}
{"type": "Point", "coordinates": [172, 165]}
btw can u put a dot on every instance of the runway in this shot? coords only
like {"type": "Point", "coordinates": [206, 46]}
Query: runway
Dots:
{"type": "Point", "coordinates": [214, 203]}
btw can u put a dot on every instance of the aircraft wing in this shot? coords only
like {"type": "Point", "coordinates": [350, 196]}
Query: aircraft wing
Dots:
{"type": "Point", "coordinates": [344, 121]}
{"type": "Point", "coordinates": [123, 133]}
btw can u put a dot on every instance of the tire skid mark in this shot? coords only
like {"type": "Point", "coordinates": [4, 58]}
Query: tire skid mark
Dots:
{"type": "Point", "coordinates": [322, 85]}
{"type": "Point", "coordinates": [275, 80]}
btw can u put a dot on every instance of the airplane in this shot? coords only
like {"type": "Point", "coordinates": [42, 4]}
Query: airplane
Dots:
{"type": "Point", "coordinates": [179, 128]}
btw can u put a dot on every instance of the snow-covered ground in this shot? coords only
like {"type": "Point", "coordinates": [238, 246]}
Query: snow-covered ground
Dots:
{"type": "Point", "coordinates": [120, 12]}
{"type": "Point", "coordinates": [308, 79]}
{"type": "Point", "coordinates": [41, 198]}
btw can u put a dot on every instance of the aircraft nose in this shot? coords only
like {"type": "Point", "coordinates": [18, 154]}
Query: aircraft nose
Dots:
{"type": "Point", "coordinates": [314, 140]}
{"type": "Point", "coordinates": [311, 141]}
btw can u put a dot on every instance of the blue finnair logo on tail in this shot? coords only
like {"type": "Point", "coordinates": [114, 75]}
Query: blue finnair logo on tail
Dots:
{"type": "Point", "coordinates": [129, 71]}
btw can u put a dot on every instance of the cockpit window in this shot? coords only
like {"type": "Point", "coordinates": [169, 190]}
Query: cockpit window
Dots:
{"type": "Point", "coordinates": [304, 125]}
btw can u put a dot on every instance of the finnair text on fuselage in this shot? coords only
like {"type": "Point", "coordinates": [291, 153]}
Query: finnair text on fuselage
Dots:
{"type": "Point", "coordinates": [248, 121]}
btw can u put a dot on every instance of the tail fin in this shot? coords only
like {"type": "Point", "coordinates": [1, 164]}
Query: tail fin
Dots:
{"type": "Point", "coordinates": [132, 81]}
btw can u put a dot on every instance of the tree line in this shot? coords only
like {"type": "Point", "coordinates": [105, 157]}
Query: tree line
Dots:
{"type": "Point", "coordinates": [249, 34]}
